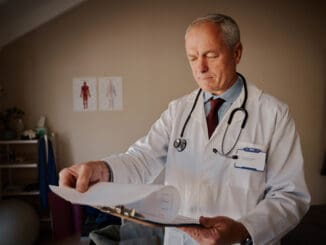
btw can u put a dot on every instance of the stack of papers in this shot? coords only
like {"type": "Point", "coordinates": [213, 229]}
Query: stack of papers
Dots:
{"type": "Point", "coordinates": [156, 205]}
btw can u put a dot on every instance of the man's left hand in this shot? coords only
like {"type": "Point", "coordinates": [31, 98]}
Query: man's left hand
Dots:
{"type": "Point", "coordinates": [217, 230]}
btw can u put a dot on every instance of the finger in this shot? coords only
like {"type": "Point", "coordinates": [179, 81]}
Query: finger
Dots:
{"type": "Point", "coordinates": [189, 230]}
{"type": "Point", "coordinates": [195, 233]}
{"type": "Point", "coordinates": [207, 222]}
{"type": "Point", "coordinates": [66, 178]}
{"type": "Point", "coordinates": [183, 228]}
{"type": "Point", "coordinates": [83, 178]}
{"type": "Point", "coordinates": [210, 222]}
{"type": "Point", "coordinates": [212, 235]}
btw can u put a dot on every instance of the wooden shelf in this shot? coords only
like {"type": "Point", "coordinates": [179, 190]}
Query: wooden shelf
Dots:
{"type": "Point", "coordinates": [18, 165]}
{"type": "Point", "coordinates": [19, 176]}
{"type": "Point", "coordinates": [13, 142]}
{"type": "Point", "coordinates": [20, 193]}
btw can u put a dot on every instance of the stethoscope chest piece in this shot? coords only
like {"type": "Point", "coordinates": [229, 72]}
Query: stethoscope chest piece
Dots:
{"type": "Point", "coordinates": [180, 144]}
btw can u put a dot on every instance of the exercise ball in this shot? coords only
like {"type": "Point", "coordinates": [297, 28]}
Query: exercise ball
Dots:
{"type": "Point", "coordinates": [19, 223]}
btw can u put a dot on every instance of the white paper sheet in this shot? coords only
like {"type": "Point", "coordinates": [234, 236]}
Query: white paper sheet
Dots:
{"type": "Point", "coordinates": [158, 203]}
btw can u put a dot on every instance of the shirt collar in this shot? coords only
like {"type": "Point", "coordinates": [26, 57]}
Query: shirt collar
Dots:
{"type": "Point", "coordinates": [229, 95]}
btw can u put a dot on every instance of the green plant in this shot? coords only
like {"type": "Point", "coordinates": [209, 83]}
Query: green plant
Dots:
{"type": "Point", "coordinates": [10, 116]}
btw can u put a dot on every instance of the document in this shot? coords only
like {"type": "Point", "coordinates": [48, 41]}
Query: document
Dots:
{"type": "Point", "coordinates": [155, 205]}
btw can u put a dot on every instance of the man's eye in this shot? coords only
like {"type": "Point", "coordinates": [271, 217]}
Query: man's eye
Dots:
{"type": "Point", "coordinates": [192, 58]}
{"type": "Point", "coordinates": [211, 55]}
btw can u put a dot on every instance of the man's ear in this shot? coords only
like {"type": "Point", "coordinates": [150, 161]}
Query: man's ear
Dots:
{"type": "Point", "coordinates": [237, 52]}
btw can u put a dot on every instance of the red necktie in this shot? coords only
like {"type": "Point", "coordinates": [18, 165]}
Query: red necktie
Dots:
{"type": "Point", "coordinates": [212, 117]}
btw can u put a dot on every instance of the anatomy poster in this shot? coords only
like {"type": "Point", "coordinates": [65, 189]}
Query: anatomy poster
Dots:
{"type": "Point", "coordinates": [84, 94]}
{"type": "Point", "coordinates": [110, 93]}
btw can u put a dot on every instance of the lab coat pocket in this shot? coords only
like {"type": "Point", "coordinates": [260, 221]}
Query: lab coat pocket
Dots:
{"type": "Point", "coordinates": [248, 173]}
{"type": "Point", "coordinates": [246, 179]}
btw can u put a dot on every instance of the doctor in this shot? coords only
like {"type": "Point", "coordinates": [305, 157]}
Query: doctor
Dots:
{"type": "Point", "coordinates": [244, 180]}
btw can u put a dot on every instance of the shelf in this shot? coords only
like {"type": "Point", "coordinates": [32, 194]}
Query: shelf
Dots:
{"type": "Point", "coordinates": [14, 142]}
{"type": "Point", "coordinates": [19, 165]}
{"type": "Point", "coordinates": [21, 193]}
{"type": "Point", "coordinates": [19, 176]}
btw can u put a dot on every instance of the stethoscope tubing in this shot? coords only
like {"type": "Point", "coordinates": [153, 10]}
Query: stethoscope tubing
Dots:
{"type": "Point", "coordinates": [181, 143]}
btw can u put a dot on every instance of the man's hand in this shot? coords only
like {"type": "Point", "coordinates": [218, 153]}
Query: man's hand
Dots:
{"type": "Point", "coordinates": [217, 230]}
{"type": "Point", "coordinates": [83, 175]}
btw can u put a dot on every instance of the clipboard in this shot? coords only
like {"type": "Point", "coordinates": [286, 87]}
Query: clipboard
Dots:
{"type": "Point", "coordinates": [133, 216]}
{"type": "Point", "coordinates": [153, 203]}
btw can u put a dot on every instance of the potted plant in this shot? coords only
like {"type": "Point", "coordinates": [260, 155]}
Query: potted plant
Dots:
{"type": "Point", "coordinates": [11, 123]}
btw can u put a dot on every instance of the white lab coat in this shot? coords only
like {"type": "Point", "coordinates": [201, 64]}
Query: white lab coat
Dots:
{"type": "Point", "coordinates": [268, 203]}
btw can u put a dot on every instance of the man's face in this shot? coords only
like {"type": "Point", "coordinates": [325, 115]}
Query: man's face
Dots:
{"type": "Point", "coordinates": [212, 62]}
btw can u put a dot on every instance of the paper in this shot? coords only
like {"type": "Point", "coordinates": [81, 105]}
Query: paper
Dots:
{"type": "Point", "coordinates": [157, 203]}
{"type": "Point", "coordinates": [84, 94]}
{"type": "Point", "coordinates": [251, 159]}
{"type": "Point", "coordinates": [110, 93]}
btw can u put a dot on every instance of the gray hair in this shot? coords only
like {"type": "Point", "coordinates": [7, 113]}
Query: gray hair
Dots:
{"type": "Point", "coordinates": [230, 28]}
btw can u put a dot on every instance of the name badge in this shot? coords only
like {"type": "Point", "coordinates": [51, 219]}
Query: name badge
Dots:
{"type": "Point", "coordinates": [251, 159]}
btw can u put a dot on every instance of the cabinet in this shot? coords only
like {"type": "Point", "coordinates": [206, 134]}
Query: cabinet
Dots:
{"type": "Point", "coordinates": [19, 176]}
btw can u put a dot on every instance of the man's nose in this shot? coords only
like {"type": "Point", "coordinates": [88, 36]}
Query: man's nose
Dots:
{"type": "Point", "coordinates": [202, 65]}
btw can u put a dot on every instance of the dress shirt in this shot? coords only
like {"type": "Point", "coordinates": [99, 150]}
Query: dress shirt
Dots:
{"type": "Point", "coordinates": [229, 96]}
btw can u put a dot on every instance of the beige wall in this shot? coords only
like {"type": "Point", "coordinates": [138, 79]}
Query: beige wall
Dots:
{"type": "Point", "coordinates": [142, 41]}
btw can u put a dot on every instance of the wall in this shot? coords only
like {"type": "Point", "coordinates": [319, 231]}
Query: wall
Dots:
{"type": "Point", "coordinates": [19, 17]}
{"type": "Point", "coordinates": [143, 41]}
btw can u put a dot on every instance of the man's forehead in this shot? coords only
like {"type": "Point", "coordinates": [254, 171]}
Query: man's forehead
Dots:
{"type": "Point", "coordinates": [205, 30]}
{"type": "Point", "coordinates": [204, 26]}
{"type": "Point", "coordinates": [203, 34]}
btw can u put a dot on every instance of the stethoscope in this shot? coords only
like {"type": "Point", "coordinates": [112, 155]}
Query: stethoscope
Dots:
{"type": "Point", "coordinates": [181, 143]}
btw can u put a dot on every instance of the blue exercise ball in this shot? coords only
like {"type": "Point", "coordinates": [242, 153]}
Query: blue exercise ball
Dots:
{"type": "Point", "coordinates": [19, 223]}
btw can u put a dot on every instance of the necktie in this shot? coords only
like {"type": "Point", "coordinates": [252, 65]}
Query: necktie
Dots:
{"type": "Point", "coordinates": [212, 117]}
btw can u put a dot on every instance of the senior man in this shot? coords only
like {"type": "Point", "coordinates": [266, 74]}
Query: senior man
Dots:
{"type": "Point", "coordinates": [230, 149]}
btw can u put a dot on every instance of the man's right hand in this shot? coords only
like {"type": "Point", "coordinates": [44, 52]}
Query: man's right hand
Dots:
{"type": "Point", "coordinates": [81, 176]}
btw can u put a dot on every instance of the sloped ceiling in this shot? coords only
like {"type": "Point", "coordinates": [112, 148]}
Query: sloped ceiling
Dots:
{"type": "Point", "coordinates": [18, 17]}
